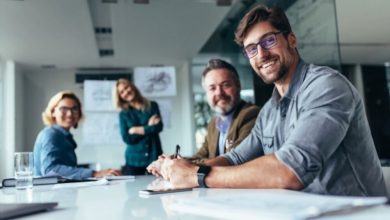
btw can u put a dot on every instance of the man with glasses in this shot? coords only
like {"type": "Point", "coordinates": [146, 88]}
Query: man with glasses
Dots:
{"type": "Point", "coordinates": [234, 117]}
{"type": "Point", "coordinates": [312, 134]}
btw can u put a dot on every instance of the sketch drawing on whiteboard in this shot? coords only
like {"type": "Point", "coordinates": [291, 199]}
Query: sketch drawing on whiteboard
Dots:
{"type": "Point", "coordinates": [102, 94]}
{"type": "Point", "coordinates": [157, 82]}
{"type": "Point", "coordinates": [97, 95]}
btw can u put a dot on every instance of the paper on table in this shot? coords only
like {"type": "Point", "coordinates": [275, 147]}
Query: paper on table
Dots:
{"type": "Point", "coordinates": [270, 204]}
{"type": "Point", "coordinates": [81, 184]}
{"type": "Point", "coordinates": [125, 177]}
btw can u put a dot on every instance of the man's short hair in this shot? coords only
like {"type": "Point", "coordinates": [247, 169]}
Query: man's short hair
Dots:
{"type": "Point", "coordinates": [221, 64]}
{"type": "Point", "coordinates": [261, 13]}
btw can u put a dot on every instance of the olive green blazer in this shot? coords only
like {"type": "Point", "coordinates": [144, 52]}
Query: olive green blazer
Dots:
{"type": "Point", "coordinates": [243, 120]}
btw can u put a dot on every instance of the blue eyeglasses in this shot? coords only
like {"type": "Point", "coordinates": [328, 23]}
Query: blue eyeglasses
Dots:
{"type": "Point", "coordinates": [266, 43]}
{"type": "Point", "coordinates": [74, 109]}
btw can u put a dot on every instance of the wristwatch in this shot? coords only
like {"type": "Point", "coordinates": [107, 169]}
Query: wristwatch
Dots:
{"type": "Point", "coordinates": [202, 173]}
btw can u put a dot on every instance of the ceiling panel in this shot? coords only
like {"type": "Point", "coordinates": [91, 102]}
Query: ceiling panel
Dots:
{"type": "Point", "coordinates": [60, 32]}
{"type": "Point", "coordinates": [164, 32]}
{"type": "Point", "coordinates": [47, 32]}
{"type": "Point", "coordinates": [364, 31]}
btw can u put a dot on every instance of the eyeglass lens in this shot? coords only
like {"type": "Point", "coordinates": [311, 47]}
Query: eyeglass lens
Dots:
{"type": "Point", "coordinates": [266, 43]}
{"type": "Point", "coordinates": [74, 109]}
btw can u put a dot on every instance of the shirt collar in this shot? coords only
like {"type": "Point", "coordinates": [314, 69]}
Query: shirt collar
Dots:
{"type": "Point", "coordinates": [223, 123]}
{"type": "Point", "coordinates": [295, 84]}
{"type": "Point", "coordinates": [62, 130]}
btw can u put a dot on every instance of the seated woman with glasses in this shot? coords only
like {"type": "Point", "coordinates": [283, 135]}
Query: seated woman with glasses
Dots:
{"type": "Point", "coordinates": [140, 124]}
{"type": "Point", "coordinates": [54, 149]}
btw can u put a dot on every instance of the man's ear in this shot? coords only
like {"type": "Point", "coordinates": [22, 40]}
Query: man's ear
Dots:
{"type": "Point", "coordinates": [292, 40]}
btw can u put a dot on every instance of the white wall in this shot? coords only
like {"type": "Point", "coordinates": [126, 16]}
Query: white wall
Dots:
{"type": "Point", "coordinates": [12, 116]}
{"type": "Point", "coordinates": [41, 85]}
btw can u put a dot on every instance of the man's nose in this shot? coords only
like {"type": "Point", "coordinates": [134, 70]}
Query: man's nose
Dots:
{"type": "Point", "coordinates": [262, 53]}
{"type": "Point", "coordinates": [219, 90]}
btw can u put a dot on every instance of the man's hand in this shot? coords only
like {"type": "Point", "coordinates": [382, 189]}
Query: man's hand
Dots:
{"type": "Point", "coordinates": [155, 167]}
{"type": "Point", "coordinates": [108, 172]}
{"type": "Point", "coordinates": [180, 173]}
{"type": "Point", "coordinates": [155, 119]}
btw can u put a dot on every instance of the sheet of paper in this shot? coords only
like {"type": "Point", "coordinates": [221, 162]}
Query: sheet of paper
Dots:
{"type": "Point", "coordinates": [269, 204]}
{"type": "Point", "coordinates": [81, 184]}
{"type": "Point", "coordinates": [98, 95]}
{"type": "Point", "coordinates": [101, 128]}
{"type": "Point", "coordinates": [109, 178]}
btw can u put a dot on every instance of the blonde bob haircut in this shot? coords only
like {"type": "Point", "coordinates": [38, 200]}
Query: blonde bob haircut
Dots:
{"type": "Point", "coordinates": [47, 117]}
{"type": "Point", "coordinates": [121, 104]}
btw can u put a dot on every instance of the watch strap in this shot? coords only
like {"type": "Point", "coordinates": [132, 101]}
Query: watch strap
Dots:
{"type": "Point", "coordinates": [203, 171]}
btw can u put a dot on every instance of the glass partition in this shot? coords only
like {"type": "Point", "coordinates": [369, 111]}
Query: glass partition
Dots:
{"type": "Point", "coordinates": [313, 22]}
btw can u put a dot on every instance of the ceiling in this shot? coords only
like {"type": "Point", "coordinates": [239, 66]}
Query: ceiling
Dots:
{"type": "Point", "coordinates": [364, 31]}
{"type": "Point", "coordinates": [163, 32]}
{"type": "Point", "coordinates": [61, 33]}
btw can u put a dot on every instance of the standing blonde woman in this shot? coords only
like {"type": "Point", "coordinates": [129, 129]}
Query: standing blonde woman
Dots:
{"type": "Point", "coordinates": [140, 125]}
{"type": "Point", "coordinates": [54, 149]}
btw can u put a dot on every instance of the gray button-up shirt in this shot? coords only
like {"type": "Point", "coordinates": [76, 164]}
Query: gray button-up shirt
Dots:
{"type": "Point", "coordinates": [320, 131]}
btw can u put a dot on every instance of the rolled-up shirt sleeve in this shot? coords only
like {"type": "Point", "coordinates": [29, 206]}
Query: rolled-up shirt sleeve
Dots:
{"type": "Point", "coordinates": [325, 111]}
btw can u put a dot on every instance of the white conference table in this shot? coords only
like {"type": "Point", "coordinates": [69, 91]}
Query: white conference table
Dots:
{"type": "Point", "coordinates": [121, 200]}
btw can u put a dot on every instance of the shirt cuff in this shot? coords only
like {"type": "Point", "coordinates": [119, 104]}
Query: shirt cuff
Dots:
{"type": "Point", "coordinates": [295, 167]}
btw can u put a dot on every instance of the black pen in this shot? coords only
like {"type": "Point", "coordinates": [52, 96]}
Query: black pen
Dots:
{"type": "Point", "coordinates": [177, 152]}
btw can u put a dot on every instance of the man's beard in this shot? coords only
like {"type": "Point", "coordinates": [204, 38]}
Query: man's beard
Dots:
{"type": "Point", "coordinates": [224, 111]}
{"type": "Point", "coordinates": [281, 74]}
{"type": "Point", "coordinates": [228, 108]}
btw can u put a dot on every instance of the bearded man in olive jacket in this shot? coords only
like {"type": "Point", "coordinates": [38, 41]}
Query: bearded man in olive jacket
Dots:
{"type": "Point", "coordinates": [235, 117]}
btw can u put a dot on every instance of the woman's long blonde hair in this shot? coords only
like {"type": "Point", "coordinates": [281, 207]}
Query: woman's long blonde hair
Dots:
{"type": "Point", "coordinates": [47, 117]}
{"type": "Point", "coordinates": [123, 104]}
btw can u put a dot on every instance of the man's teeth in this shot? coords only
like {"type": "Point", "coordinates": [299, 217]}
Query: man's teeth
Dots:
{"type": "Point", "coordinates": [268, 64]}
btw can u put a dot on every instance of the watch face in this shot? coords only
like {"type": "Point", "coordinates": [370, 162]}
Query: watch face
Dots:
{"type": "Point", "coordinates": [204, 170]}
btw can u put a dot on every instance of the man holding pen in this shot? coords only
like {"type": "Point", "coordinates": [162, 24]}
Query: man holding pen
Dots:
{"type": "Point", "coordinates": [235, 117]}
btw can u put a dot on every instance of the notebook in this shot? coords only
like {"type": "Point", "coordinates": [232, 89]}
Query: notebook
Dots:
{"type": "Point", "coordinates": [44, 180]}
{"type": "Point", "coordinates": [13, 210]}
{"type": "Point", "coordinates": [10, 182]}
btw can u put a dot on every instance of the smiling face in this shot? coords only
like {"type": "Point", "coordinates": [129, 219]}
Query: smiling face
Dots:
{"type": "Point", "coordinates": [273, 64]}
{"type": "Point", "coordinates": [126, 92]}
{"type": "Point", "coordinates": [67, 113]}
{"type": "Point", "coordinates": [222, 90]}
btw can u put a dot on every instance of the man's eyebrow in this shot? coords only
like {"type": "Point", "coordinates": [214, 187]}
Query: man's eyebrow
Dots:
{"type": "Point", "coordinates": [260, 38]}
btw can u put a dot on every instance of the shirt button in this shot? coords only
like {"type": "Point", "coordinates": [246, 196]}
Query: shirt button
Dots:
{"type": "Point", "coordinates": [146, 154]}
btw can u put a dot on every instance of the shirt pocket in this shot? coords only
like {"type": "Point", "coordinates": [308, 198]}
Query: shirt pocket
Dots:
{"type": "Point", "coordinates": [268, 144]}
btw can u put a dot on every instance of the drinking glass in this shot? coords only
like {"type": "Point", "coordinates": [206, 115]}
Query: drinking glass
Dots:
{"type": "Point", "coordinates": [24, 167]}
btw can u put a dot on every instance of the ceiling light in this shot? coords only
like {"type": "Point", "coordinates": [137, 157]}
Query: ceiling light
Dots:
{"type": "Point", "coordinates": [141, 1]}
{"type": "Point", "coordinates": [224, 2]}
{"type": "Point", "coordinates": [109, 1]}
